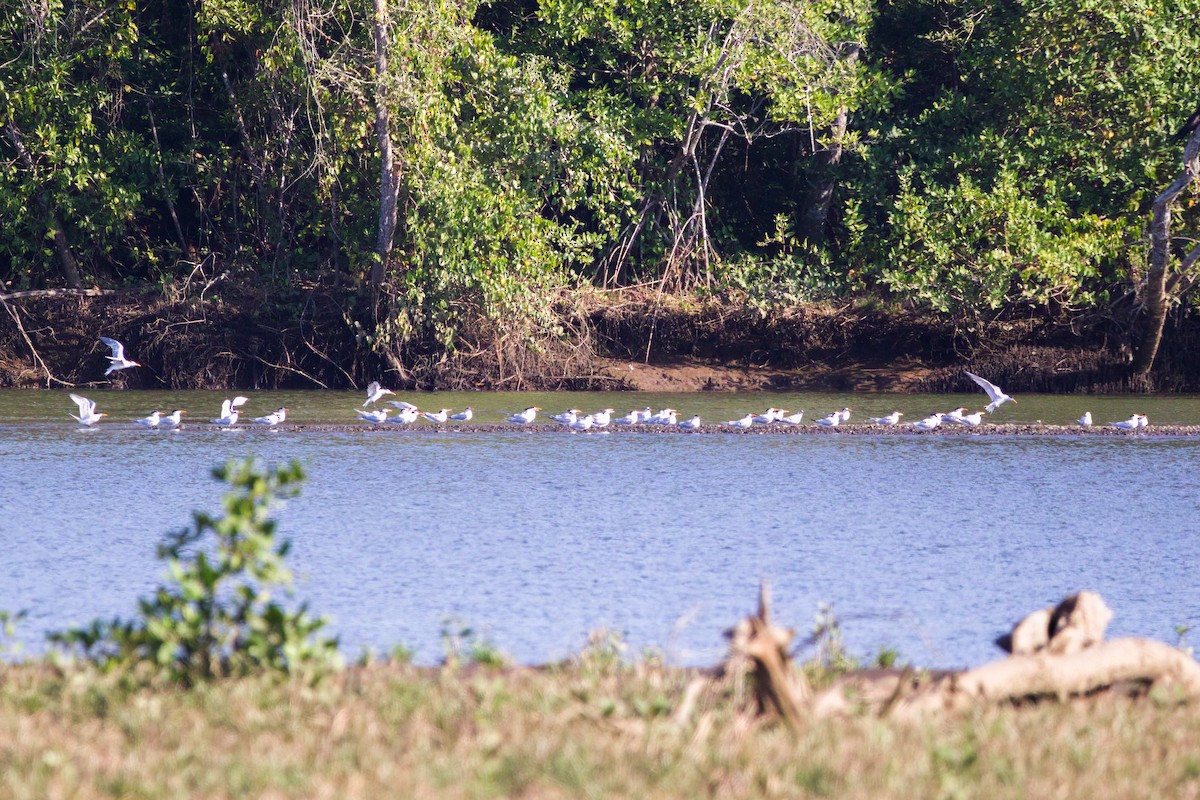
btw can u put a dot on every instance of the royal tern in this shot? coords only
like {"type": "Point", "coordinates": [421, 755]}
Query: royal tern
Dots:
{"type": "Point", "coordinates": [891, 419]}
{"type": "Point", "coordinates": [955, 416]}
{"type": "Point", "coordinates": [1086, 420]}
{"type": "Point", "coordinates": [87, 411]}
{"type": "Point", "coordinates": [117, 359]}
{"type": "Point", "coordinates": [567, 417]}
{"type": "Point", "coordinates": [1143, 420]}
{"type": "Point", "coordinates": [743, 423]}
{"type": "Point", "coordinates": [439, 417]}
{"type": "Point", "coordinates": [274, 418]}
{"type": "Point", "coordinates": [632, 418]}
{"type": "Point", "coordinates": [645, 415]}
{"type": "Point", "coordinates": [793, 419]}
{"type": "Point", "coordinates": [994, 393]}
{"type": "Point", "coordinates": [229, 411]}
{"type": "Point", "coordinates": [769, 416]}
{"type": "Point", "coordinates": [375, 416]}
{"type": "Point", "coordinates": [151, 421]}
{"type": "Point", "coordinates": [406, 416]}
{"type": "Point", "coordinates": [971, 420]}
{"type": "Point", "coordinates": [692, 424]}
{"type": "Point", "coordinates": [601, 418]}
{"type": "Point", "coordinates": [172, 420]}
{"type": "Point", "coordinates": [1130, 424]}
{"type": "Point", "coordinates": [464, 415]}
{"type": "Point", "coordinates": [582, 423]}
{"type": "Point", "coordinates": [830, 421]}
{"type": "Point", "coordinates": [375, 393]}
{"type": "Point", "coordinates": [844, 415]}
{"type": "Point", "coordinates": [929, 423]}
{"type": "Point", "coordinates": [402, 404]}
{"type": "Point", "coordinates": [663, 417]}
{"type": "Point", "coordinates": [525, 417]}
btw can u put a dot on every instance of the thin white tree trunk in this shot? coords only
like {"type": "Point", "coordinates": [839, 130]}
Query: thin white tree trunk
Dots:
{"type": "Point", "coordinates": [389, 184]}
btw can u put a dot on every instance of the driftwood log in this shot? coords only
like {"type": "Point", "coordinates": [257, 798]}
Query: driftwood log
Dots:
{"type": "Point", "coordinates": [1056, 653]}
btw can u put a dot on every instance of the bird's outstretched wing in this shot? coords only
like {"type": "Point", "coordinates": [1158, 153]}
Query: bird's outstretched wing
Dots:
{"type": "Point", "coordinates": [993, 391]}
{"type": "Point", "coordinates": [239, 401]}
{"type": "Point", "coordinates": [118, 349]}
{"type": "Point", "coordinates": [85, 406]}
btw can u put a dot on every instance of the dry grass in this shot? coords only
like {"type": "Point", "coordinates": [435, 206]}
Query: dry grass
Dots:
{"type": "Point", "coordinates": [595, 728]}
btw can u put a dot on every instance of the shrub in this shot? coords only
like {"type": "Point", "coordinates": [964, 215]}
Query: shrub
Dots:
{"type": "Point", "coordinates": [216, 616]}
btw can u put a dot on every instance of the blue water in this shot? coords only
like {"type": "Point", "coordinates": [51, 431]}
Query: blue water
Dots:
{"type": "Point", "coordinates": [930, 545]}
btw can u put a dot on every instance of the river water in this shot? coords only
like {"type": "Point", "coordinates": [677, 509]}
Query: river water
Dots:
{"type": "Point", "coordinates": [929, 545]}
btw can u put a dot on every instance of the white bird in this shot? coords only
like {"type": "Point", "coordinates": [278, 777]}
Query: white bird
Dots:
{"type": "Point", "coordinates": [567, 417]}
{"type": "Point", "coordinates": [274, 418]}
{"type": "Point", "coordinates": [632, 418]}
{"type": "Point", "coordinates": [406, 416]}
{"type": "Point", "coordinates": [439, 417]}
{"type": "Point", "coordinates": [375, 416]}
{"type": "Point", "coordinates": [743, 423]}
{"type": "Point", "coordinates": [375, 393]}
{"type": "Point", "coordinates": [891, 419]}
{"type": "Point", "coordinates": [601, 418]}
{"type": "Point", "coordinates": [464, 415]}
{"type": "Point", "coordinates": [769, 416]}
{"type": "Point", "coordinates": [581, 424]}
{"type": "Point", "coordinates": [663, 417]}
{"type": "Point", "coordinates": [117, 359]}
{"type": "Point", "coordinates": [1143, 420]}
{"type": "Point", "coordinates": [955, 416]}
{"type": "Point", "coordinates": [229, 411]}
{"type": "Point", "coordinates": [994, 392]}
{"type": "Point", "coordinates": [793, 419]}
{"type": "Point", "coordinates": [151, 421]}
{"type": "Point", "coordinates": [971, 420]}
{"type": "Point", "coordinates": [692, 424]}
{"type": "Point", "coordinates": [645, 415]}
{"type": "Point", "coordinates": [831, 421]}
{"type": "Point", "coordinates": [402, 404]}
{"type": "Point", "coordinates": [87, 411]}
{"type": "Point", "coordinates": [525, 417]}
{"type": "Point", "coordinates": [1086, 420]}
{"type": "Point", "coordinates": [844, 415]}
{"type": "Point", "coordinates": [1130, 424]}
{"type": "Point", "coordinates": [929, 423]}
{"type": "Point", "coordinates": [172, 420]}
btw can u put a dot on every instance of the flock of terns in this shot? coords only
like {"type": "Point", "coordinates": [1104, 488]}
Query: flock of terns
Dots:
{"type": "Point", "coordinates": [406, 413]}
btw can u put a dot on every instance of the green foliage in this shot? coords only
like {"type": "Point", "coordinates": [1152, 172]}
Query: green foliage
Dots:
{"type": "Point", "coordinates": [217, 617]}
{"type": "Point", "coordinates": [8, 626]}
{"type": "Point", "coordinates": [463, 645]}
{"type": "Point", "coordinates": [1018, 165]}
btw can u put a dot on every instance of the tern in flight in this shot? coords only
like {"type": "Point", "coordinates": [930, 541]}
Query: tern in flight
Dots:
{"type": "Point", "coordinates": [995, 394]}
{"type": "Point", "coordinates": [229, 412]}
{"type": "Point", "coordinates": [87, 411]}
{"type": "Point", "coordinates": [117, 359]}
{"type": "Point", "coordinates": [375, 393]}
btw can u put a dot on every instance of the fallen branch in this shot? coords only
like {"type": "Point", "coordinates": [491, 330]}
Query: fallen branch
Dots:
{"type": "Point", "coordinates": [41, 293]}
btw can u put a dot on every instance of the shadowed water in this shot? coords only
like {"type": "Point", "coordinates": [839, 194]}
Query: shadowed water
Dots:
{"type": "Point", "coordinates": [929, 545]}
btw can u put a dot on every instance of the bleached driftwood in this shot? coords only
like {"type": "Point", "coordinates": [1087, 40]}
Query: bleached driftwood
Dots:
{"type": "Point", "coordinates": [1058, 652]}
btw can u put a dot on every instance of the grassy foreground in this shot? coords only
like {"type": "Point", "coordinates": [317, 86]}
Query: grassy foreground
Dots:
{"type": "Point", "coordinates": [596, 728]}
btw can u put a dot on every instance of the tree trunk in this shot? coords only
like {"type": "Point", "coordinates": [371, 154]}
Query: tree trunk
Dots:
{"type": "Point", "coordinates": [66, 261]}
{"type": "Point", "coordinates": [814, 216]}
{"type": "Point", "coordinates": [1155, 297]}
{"type": "Point", "coordinates": [389, 184]}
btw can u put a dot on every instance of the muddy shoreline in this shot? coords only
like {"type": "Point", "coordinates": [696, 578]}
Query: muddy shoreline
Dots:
{"type": "Point", "coordinates": [305, 338]}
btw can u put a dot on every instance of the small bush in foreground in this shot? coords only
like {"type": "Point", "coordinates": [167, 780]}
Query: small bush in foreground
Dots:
{"type": "Point", "coordinates": [216, 617]}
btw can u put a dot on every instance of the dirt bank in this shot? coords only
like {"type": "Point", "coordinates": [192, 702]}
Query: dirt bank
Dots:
{"type": "Point", "coordinates": [249, 337]}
